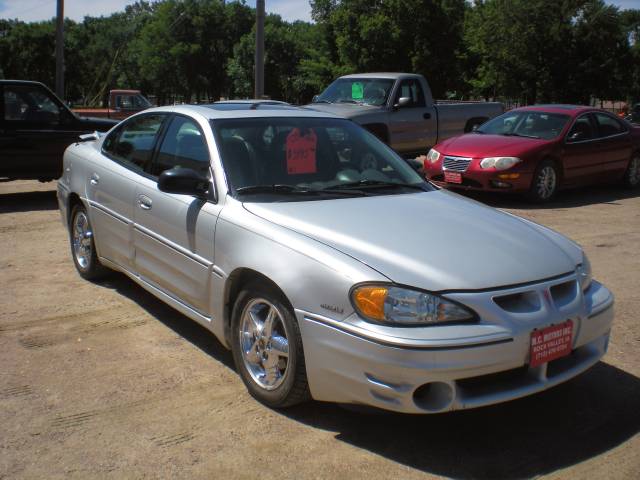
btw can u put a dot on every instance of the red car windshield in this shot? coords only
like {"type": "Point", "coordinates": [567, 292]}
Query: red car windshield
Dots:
{"type": "Point", "coordinates": [531, 124]}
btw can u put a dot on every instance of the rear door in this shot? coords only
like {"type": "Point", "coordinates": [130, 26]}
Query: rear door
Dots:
{"type": "Point", "coordinates": [412, 127]}
{"type": "Point", "coordinates": [36, 129]}
{"type": "Point", "coordinates": [581, 155]}
{"type": "Point", "coordinates": [615, 145]}
{"type": "Point", "coordinates": [174, 233]}
{"type": "Point", "coordinates": [112, 180]}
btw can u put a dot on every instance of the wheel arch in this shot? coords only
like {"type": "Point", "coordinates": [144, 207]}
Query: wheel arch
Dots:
{"type": "Point", "coordinates": [234, 284]}
{"type": "Point", "coordinates": [559, 166]}
{"type": "Point", "coordinates": [74, 199]}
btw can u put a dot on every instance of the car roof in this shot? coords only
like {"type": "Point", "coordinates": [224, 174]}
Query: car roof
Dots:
{"type": "Point", "coordinates": [572, 110]}
{"type": "Point", "coordinates": [250, 101]}
{"type": "Point", "coordinates": [263, 110]}
{"type": "Point", "coordinates": [21, 82]}
{"type": "Point", "coordinates": [389, 75]}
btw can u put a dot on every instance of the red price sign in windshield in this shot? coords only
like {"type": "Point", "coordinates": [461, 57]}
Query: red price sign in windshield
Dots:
{"type": "Point", "coordinates": [301, 152]}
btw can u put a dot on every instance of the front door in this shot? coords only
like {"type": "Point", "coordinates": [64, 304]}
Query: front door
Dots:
{"type": "Point", "coordinates": [174, 233]}
{"type": "Point", "coordinates": [413, 125]}
{"type": "Point", "coordinates": [36, 129]}
{"type": "Point", "coordinates": [581, 156]}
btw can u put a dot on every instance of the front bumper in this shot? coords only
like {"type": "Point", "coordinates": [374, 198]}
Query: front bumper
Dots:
{"type": "Point", "coordinates": [482, 180]}
{"type": "Point", "coordinates": [454, 370]}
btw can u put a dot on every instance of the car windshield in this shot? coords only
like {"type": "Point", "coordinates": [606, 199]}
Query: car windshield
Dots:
{"type": "Point", "coordinates": [304, 158]}
{"type": "Point", "coordinates": [370, 91]}
{"type": "Point", "coordinates": [532, 124]}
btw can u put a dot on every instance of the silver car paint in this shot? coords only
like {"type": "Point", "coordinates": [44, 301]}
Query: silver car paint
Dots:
{"type": "Point", "coordinates": [317, 251]}
{"type": "Point", "coordinates": [434, 241]}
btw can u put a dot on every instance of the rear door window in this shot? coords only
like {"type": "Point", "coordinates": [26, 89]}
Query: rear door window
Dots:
{"type": "Point", "coordinates": [132, 143]}
{"type": "Point", "coordinates": [608, 125]}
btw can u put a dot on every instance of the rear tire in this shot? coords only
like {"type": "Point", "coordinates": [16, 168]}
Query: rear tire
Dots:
{"type": "Point", "coordinates": [631, 178]}
{"type": "Point", "coordinates": [267, 347]}
{"type": "Point", "coordinates": [83, 248]}
{"type": "Point", "coordinates": [545, 182]}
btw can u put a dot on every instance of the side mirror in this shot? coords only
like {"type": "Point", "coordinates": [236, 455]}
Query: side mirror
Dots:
{"type": "Point", "coordinates": [577, 136]}
{"type": "Point", "coordinates": [475, 127]}
{"type": "Point", "coordinates": [416, 164]}
{"type": "Point", "coordinates": [185, 181]}
{"type": "Point", "coordinates": [315, 98]}
{"type": "Point", "coordinates": [402, 102]}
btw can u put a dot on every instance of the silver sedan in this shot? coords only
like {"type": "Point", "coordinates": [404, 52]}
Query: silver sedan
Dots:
{"type": "Point", "coordinates": [327, 265]}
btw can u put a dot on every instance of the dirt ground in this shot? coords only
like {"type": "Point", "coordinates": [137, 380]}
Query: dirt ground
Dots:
{"type": "Point", "coordinates": [103, 380]}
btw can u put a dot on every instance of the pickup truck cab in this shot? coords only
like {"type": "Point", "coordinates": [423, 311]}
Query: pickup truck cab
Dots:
{"type": "Point", "coordinates": [35, 129]}
{"type": "Point", "coordinates": [122, 104]}
{"type": "Point", "coordinates": [399, 109]}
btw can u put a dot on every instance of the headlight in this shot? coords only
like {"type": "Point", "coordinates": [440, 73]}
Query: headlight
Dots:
{"type": "Point", "coordinates": [499, 163]}
{"type": "Point", "coordinates": [405, 307]}
{"type": "Point", "coordinates": [433, 156]}
{"type": "Point", "coordinates": [584, 273]}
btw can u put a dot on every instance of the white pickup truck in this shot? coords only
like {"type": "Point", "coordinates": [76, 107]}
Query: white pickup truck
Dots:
{"type": "Point", "coordinates": [398, 108]}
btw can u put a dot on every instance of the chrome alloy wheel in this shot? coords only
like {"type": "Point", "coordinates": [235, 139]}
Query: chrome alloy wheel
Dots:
{"type": "Point", "coordinates": [82, 235]}
{"type": "Point", "coordinates": [634, 171]}
{"type": "Point", "coordinates": [546, 182]}
{"type": "Point", "coordinates": [264, 341]}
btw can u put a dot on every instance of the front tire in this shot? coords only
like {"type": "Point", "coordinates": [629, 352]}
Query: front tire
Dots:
{"type": "Point", "coordinates": [267, 347]}
{"type": "Point", "coordinates": [83, 248]}
{"type": "Point", "coordinates": [545, 182]}
{"type": "Point", "coordinates": [631, 177]}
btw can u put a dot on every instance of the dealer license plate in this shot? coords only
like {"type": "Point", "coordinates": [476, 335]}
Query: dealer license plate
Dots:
{"type": "Point", "coordinates": [452, 177]}
{"type": "Point", "coordinates": [550, 343]}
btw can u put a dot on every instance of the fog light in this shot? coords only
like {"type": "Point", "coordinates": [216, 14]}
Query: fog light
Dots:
{"type": "Point", "coordinates": [434, 396]}
{"type": "Point", "coordinates": [499, 184]}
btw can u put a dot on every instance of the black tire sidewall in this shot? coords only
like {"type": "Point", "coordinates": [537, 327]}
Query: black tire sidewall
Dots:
{"type": "Point", "coordinates": [627, 173]}
{"type": "Point", "coordinates": [94, 269]}
{"type": "Point", "coordinates": [533, 189]}
{"type": "Point", "coordinates": [289, 392]}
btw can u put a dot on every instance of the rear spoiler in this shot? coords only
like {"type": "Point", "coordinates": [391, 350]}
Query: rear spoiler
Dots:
{"type": "Point", "coordinates": [91, 137]}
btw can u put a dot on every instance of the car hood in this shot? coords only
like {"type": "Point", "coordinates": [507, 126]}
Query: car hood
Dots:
{"type": "Point", "coordinates": [434, 240]}
{"type": "Point", "coordinates": [477, 145]}
{"type": "Point", "coordinates": [344, 110]}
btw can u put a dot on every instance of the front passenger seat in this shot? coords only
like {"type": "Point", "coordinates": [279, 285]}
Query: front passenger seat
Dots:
{"type": "Point", "coordinates": [241, 170]}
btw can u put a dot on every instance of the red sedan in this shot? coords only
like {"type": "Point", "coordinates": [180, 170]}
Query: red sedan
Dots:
{"type": "Point", "coordinates": [537, 150]}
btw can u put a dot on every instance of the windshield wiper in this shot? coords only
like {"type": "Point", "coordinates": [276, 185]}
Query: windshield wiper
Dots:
{"type": "Point", "coordinates": [519, 135]}
{"type": "Point", "coordinates": [293, 190]}
{"type": "Point", "coordinates": [369, 184]}
{"type": "Point", "coordinates": [344, 100]}
{"type": "Point", "coordinates": [321, 100]}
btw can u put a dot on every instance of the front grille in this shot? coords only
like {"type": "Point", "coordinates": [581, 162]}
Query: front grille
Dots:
{"type": "Point", "coordinates": [456, 164]}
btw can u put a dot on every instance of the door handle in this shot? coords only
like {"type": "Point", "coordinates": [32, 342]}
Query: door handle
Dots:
{"type": "Point", "coordinates": [426, 115]}
{"type": "Point", "coordinates": [95, 179]}
{"type": "Point", "coordinates": [144, 202]}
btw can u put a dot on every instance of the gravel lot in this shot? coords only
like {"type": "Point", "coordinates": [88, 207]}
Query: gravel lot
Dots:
{"type": "Point", "coordinates": [103, 380]}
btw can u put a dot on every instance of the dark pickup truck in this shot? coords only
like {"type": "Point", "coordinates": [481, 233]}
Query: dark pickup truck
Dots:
{"type": "Point", "coordinates": [35, 129]}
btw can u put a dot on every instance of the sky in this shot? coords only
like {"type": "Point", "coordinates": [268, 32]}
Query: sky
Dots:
{"type": "Point", "coordinates": [33, 10]}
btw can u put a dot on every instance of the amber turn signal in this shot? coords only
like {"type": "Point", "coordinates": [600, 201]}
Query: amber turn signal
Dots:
{"type": "Point", "coordinates": [369, 300]}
